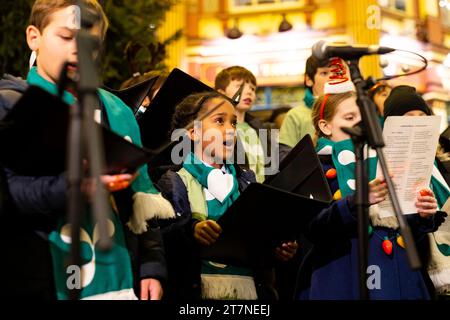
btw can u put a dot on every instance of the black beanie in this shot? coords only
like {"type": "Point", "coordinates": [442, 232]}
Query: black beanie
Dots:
{"type": "Point", "coordinates": [403, 99]}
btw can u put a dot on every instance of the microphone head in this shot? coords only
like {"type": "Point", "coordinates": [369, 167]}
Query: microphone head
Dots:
{"type": "Point", "coordinates": [319, 50]}
{"type": "Point", "coordinates": [384, 50]}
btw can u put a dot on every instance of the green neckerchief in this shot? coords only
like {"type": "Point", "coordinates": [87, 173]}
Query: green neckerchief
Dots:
{"type": "Point", "coordinates": [442, 192]}
{"type": "Point", "coordinates": [35, 79]}
{"type": "Point", "coordinates": [343, 156]}
{"type": "Point", "coordinates": [381, 119]}
{"type": "Point", "coordinates": [309, 99]}
{"type": "Point", "coordinates": [104, 274]}
{"type": "Point", "coordinates": [208, 178]}
{"type": "Point", "coordinates": [440, 188]}
{"type": "Point", "coordinates": [218, 281]}
{"type": "Point", "coordinates": [253, 149]}
{"type": "Point", "coordinates": [122, 121]}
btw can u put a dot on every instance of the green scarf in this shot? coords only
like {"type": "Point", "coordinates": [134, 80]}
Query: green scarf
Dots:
{"type": "Point", "coordinates": [309, 99]}
{"type": "Point", "coordinates": [439, 261]}
{"type": "Point", "coordinates": [219, 190]}
{"type": "Point", "coordinates": [442, 192]}
{"type": "Point", "coordinates": [105, 275]}
{"type": "Point", "coordinates": [343, 156]}
{"type": "Point", "coordinates": [344, 161]}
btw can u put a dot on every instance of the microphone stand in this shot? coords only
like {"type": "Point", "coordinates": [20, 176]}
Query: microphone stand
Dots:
{"type": "Point", "coordinates": [369, 131]}
{"type": "Point", "coordinates": [82, 130]}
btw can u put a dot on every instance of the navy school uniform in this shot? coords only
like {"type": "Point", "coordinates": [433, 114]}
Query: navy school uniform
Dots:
{"type": "Point", "coordinates": [182, 250]}
{"type": "Point", "coordinates": [330, 270]}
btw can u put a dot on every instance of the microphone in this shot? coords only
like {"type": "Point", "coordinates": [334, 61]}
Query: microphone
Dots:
{"type": "Point", "coordinates": [322, 50]}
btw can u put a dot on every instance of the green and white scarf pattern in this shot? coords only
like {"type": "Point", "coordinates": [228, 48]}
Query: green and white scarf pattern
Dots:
{"type": "Point", "coordinates": [104, 275]}
{"type": "Point", "coordinates": [219, 189]}
{"type": "Point", "coordinates": [344, 160]}
{"type": "Point", "coordinates": [343, 155]}
{"type": "Point", "coordinates": [439, 262]}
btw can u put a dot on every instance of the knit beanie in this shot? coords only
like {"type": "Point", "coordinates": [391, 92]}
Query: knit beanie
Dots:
{"type": "Point", "coordinates": [404, 99]}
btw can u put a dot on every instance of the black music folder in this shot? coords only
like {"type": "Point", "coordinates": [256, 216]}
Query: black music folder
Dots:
{"type": "Point", "coordinates": [134, 96]}
{"type": "Point", "coordinates": [302, 173]}
{"type": "Point", "coordinates": [33, 138]}
{"type": "Point", "coordinates": [156, 121]}
{"type": "Point", "coordinates": [257, 222]}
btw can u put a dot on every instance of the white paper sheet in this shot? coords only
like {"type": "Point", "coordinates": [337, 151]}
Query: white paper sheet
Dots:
{"type": "Point", "coordinates": [411, 144]}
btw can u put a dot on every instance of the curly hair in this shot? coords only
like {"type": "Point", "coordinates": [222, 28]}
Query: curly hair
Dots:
{"type": "Point", "coordinates": [189, 109]}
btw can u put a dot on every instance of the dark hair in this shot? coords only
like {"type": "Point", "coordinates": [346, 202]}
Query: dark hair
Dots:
{"type": "Point", "coordinates": [138, 78]}
{"type": "Point", "coordinates": [227, 75]}
{"type": "Point", "coordinates": [377, 88]}
{"type": "Point", "coordinates": [403, 99]}
{"type": "Point", "coordinates": [188, 109]}
{"type": "Point", "coordinates": [312, 64]}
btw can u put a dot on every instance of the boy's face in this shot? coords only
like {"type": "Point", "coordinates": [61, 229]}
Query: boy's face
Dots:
{"type": "Point", "coordinates": [248, 94]}
{"type": "Point", "coordinates": [321, 77]}
{"type": "Point", "coordinates": [217, 134]}
{"type": "Point", "coordinates": [56, 44]}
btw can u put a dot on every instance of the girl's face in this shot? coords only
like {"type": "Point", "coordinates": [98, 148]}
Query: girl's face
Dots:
{"type": "Point", "coordinates": [216, 134]}
{"type": "Point", "coordinates": [380, 97]}
{"type": "Point", "coordinates": [347, 115]}
{"type": "Point", "coordinates": [416, 113]}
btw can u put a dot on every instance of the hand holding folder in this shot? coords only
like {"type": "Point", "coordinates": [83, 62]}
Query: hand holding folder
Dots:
{"type": "Point", "coordinates": [258, 221]}
{"type": "Point", "coordinates": [265, 215]}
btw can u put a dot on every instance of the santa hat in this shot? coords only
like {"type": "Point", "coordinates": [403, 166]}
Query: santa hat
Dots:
{"type": "Point", "coordinates": [333, 87]}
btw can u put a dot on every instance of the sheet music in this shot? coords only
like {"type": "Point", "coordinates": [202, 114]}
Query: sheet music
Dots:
{"type": "Point", "coordinates": [411, 143]}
